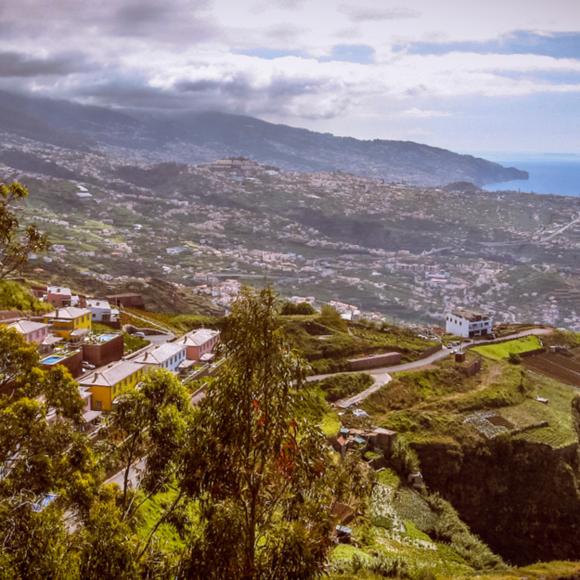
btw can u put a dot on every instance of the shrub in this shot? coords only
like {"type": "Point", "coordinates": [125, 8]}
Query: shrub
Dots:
{"type": "Point", "coordinates": [291, 309]}
{"type": "Point", "coordinates": [403, 458]}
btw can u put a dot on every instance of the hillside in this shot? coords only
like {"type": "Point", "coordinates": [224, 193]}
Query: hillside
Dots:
{"type": "Point", "coordinates": [195, 137]}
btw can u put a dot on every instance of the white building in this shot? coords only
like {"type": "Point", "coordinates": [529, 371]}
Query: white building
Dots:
{"type": "Point", "coordinates": [468, 323]}
{"type": "Point", "coordinates": [101, 311]}
{"type": "Point", "coordinates": [167, 356]}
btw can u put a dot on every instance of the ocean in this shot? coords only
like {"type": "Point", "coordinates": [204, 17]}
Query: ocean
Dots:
{"type": "Point", "coordinates": [559, 176]}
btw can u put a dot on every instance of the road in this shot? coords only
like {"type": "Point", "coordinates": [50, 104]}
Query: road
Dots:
{"type": "Point", "coordinates": [561, 230]}
{"type": "Point", "coordinates": [382, 375]}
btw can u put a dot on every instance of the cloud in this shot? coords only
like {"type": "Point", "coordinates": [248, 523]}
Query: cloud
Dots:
{"type": "Point", "coordinates": [16, 64]}
{"type": "Point", "coordinates": [358, 13]}
{"type": "Point", "coordinates": [416, 113]}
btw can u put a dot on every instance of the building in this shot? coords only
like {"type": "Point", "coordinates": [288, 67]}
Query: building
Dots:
{"type": "Point", "coordinates": [105, 384]}
{"type": "Point", "coordinates": [102, 311]}
{"type": "Point", "coordinates": [103, 349]}
{"type": "Point", "coordinates": [128, 300]}
{"type": "Point", "coordinates": [71, 323]}
{"type": "Point", "coordinates": [468, 323]}
{"type": "Point", "coordinates": [36, 332]}
{"type": "Point", "coordinates": [72, 360]}
{"type": "Point", "coordinates": [59, 296]}
{"type": "Point", "coordinates": [166, 356]}
{"type": "Point", "coordinates": [200, 342]}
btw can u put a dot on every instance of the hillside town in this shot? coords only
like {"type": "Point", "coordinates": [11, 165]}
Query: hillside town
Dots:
{"type": "Point", "coordinates": [418, 251]}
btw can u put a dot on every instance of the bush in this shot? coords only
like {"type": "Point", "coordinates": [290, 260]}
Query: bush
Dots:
{"type": "Point", "coordinates": [514, 359]}
{"type": "Point", "coordinates": [343, 386]}
{"type": "Point", "coordinates": [291, 309]}
{"type": "Point", "coordinates": [14, 296]}
{"type": "Point", "coordinates": [404, 459]}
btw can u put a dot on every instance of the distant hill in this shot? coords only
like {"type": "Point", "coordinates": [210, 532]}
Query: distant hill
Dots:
{"type": "Point", "coordinates": [193, 137]}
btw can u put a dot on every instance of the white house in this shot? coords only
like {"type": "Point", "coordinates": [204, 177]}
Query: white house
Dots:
{"type": "Point", "coordinates": [101, 310]}
{"type": "Point", "coordinates": [167, 356]}
{"type": "Point", "coordinates": [468, 323]}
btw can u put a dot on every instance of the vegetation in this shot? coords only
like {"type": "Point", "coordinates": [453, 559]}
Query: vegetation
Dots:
{"type": "Point", "coordinates": [16, 242]}
{"type": "Point", "coordinates": [14, 296]}
{"type": "Point", "coordinates": [260, 473]}
{"type": "Point", "coordinates": [504, 350]}
{"type": "Point", "coordinates": [291, 309]}
{"type": "Point", "coordinates": [344, 386]}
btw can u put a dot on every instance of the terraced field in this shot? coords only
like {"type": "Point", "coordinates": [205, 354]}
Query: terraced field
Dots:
{"type": "Point", "coordinates": [558, 366]}
{"type": "Point", "coordinates": [502, 350]}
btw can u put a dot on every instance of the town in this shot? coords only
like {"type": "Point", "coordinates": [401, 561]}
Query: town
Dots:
{"type": "Point", "coordinates": [412, 255]}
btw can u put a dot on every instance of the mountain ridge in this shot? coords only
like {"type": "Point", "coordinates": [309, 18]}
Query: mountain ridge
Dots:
{"type": "Point", "coordinates": [197, 137]}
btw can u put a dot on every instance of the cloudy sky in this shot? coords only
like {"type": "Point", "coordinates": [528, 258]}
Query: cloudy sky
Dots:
{"type": "Point", "coordinates": [474, 76]}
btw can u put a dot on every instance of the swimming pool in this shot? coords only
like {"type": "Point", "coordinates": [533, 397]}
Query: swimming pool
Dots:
{"type": "Point", "coordinates": [107, 337]}
{"type": "Point", "coordinates": [51, 360]}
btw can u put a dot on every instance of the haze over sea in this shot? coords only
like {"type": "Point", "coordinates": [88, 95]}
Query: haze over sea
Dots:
{"type": "Point", "coordinates": [558, 174]}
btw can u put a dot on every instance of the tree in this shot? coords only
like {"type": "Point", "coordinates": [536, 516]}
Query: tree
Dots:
{"type": "Point", "coordinates": [151, 422]}
{"type": "Point", "coordinates": [329, 316]}
{"type": "Point", "coordinates": [258, 471]}
{"type": "Point", "coordinates": [291, 309]}
{"type": "Point", "coordinates": [16, 242]}
{"type": "Point", "coordinates": [46, 466]}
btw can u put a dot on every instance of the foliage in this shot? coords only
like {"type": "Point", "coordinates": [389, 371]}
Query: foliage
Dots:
{"type": "Point", "coordinates": [259, 471]}
{"type": "Point", "coordinates": [133, 343]}
{"type": "Point", "coordinates": [14, 296]}
{"type": "Point", "coordinates": [342, 386]}
{"type": "Point", "coordinates": [329, 316]}
{"type": "Point", "coordinates": [292, 309]}
{"type": "Point", "coordinates": [16, 242]}
{"type": "Point", "coordinates": [150, 420]}
{"type": "Point", "coordinates": [450, 528]}
{"type": "Point", "coordinates": [403, 458]}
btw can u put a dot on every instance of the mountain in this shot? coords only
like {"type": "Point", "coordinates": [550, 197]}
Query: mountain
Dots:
{"type": "Point", "coordinates": [193, 137]}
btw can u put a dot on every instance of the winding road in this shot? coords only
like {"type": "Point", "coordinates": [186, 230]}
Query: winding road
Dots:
{"type": "Point", "coordinates": [382, 375]}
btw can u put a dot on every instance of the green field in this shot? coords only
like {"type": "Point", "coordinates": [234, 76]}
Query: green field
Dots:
{"type": "Point", "coordinates": [502, 350]}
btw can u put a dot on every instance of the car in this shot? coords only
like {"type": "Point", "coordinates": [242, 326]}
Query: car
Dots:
{"type": "Point", "coordinates": [140, 334]}
{"type": "Point", "coordinates": [88, 366]}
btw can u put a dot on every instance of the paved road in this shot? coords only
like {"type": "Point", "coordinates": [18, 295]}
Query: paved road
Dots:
{"type": "Point", "coordinates": [380, 380]}
{"type": "Point", "coordinates": [382, 375]}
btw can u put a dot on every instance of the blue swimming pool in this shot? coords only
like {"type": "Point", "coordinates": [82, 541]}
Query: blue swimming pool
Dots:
{"type": "Point", "coordinates": [107, 337]}
{"type": "Point", "coordinates": [51, 360]}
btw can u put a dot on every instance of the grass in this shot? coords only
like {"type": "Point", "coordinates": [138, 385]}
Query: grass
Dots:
{"type": "Point", "coordinates": [343, 386]}
{"type": "Point", "coordinates": [560, 430]}
{"type": "Point", "coordinates": [502, 350]}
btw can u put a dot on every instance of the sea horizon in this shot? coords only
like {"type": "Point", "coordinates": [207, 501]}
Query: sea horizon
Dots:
{"type": "Point", "coordinates": [550, 174]}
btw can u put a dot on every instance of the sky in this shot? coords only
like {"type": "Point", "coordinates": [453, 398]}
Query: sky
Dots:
{"type": "Point", "coordinates": [474, 76]}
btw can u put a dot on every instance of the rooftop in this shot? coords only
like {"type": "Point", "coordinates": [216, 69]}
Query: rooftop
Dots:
{"type": "Point", "coordinates": [27, 326]}
{"type": "Point", "coordinates": [69, 313]}
{"type": "Point", "coordinates": [112, 374]}
{"type": "Point", "coordinates": [59, 290]}
{"type": "Point", "coordinates": [160, 354]}
{"type": "Point", "coordinates": [96, 303]}
{"type": "Point", "coordinates": [199, 337]}
{"type": "Point", "coordinates": [471, 315]}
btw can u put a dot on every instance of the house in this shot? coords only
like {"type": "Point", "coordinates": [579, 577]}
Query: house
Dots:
{"type": "Point", "coordinates": [59, 296]}
{"type": "Point", "coordinates": [105, 384]}
{"type": "Point", "coordinates": [72, 360]}
{"type": "Point", "coordinates": [166, 356]}
{"type": "Point", "coordinates": [71, 323]}
{"type": "Point", "coordinates": [200, 342]}
{"type": "Point", "coordinates": [103, 349]}
{"type": "Point", "coordinates": [36, 332]}
{"type": "Point", "coordinates": [102, 311]}
{"type": "Point", "coordinates": [468, 323]}
{"type": "Point", "coordinates": [128, 300]}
